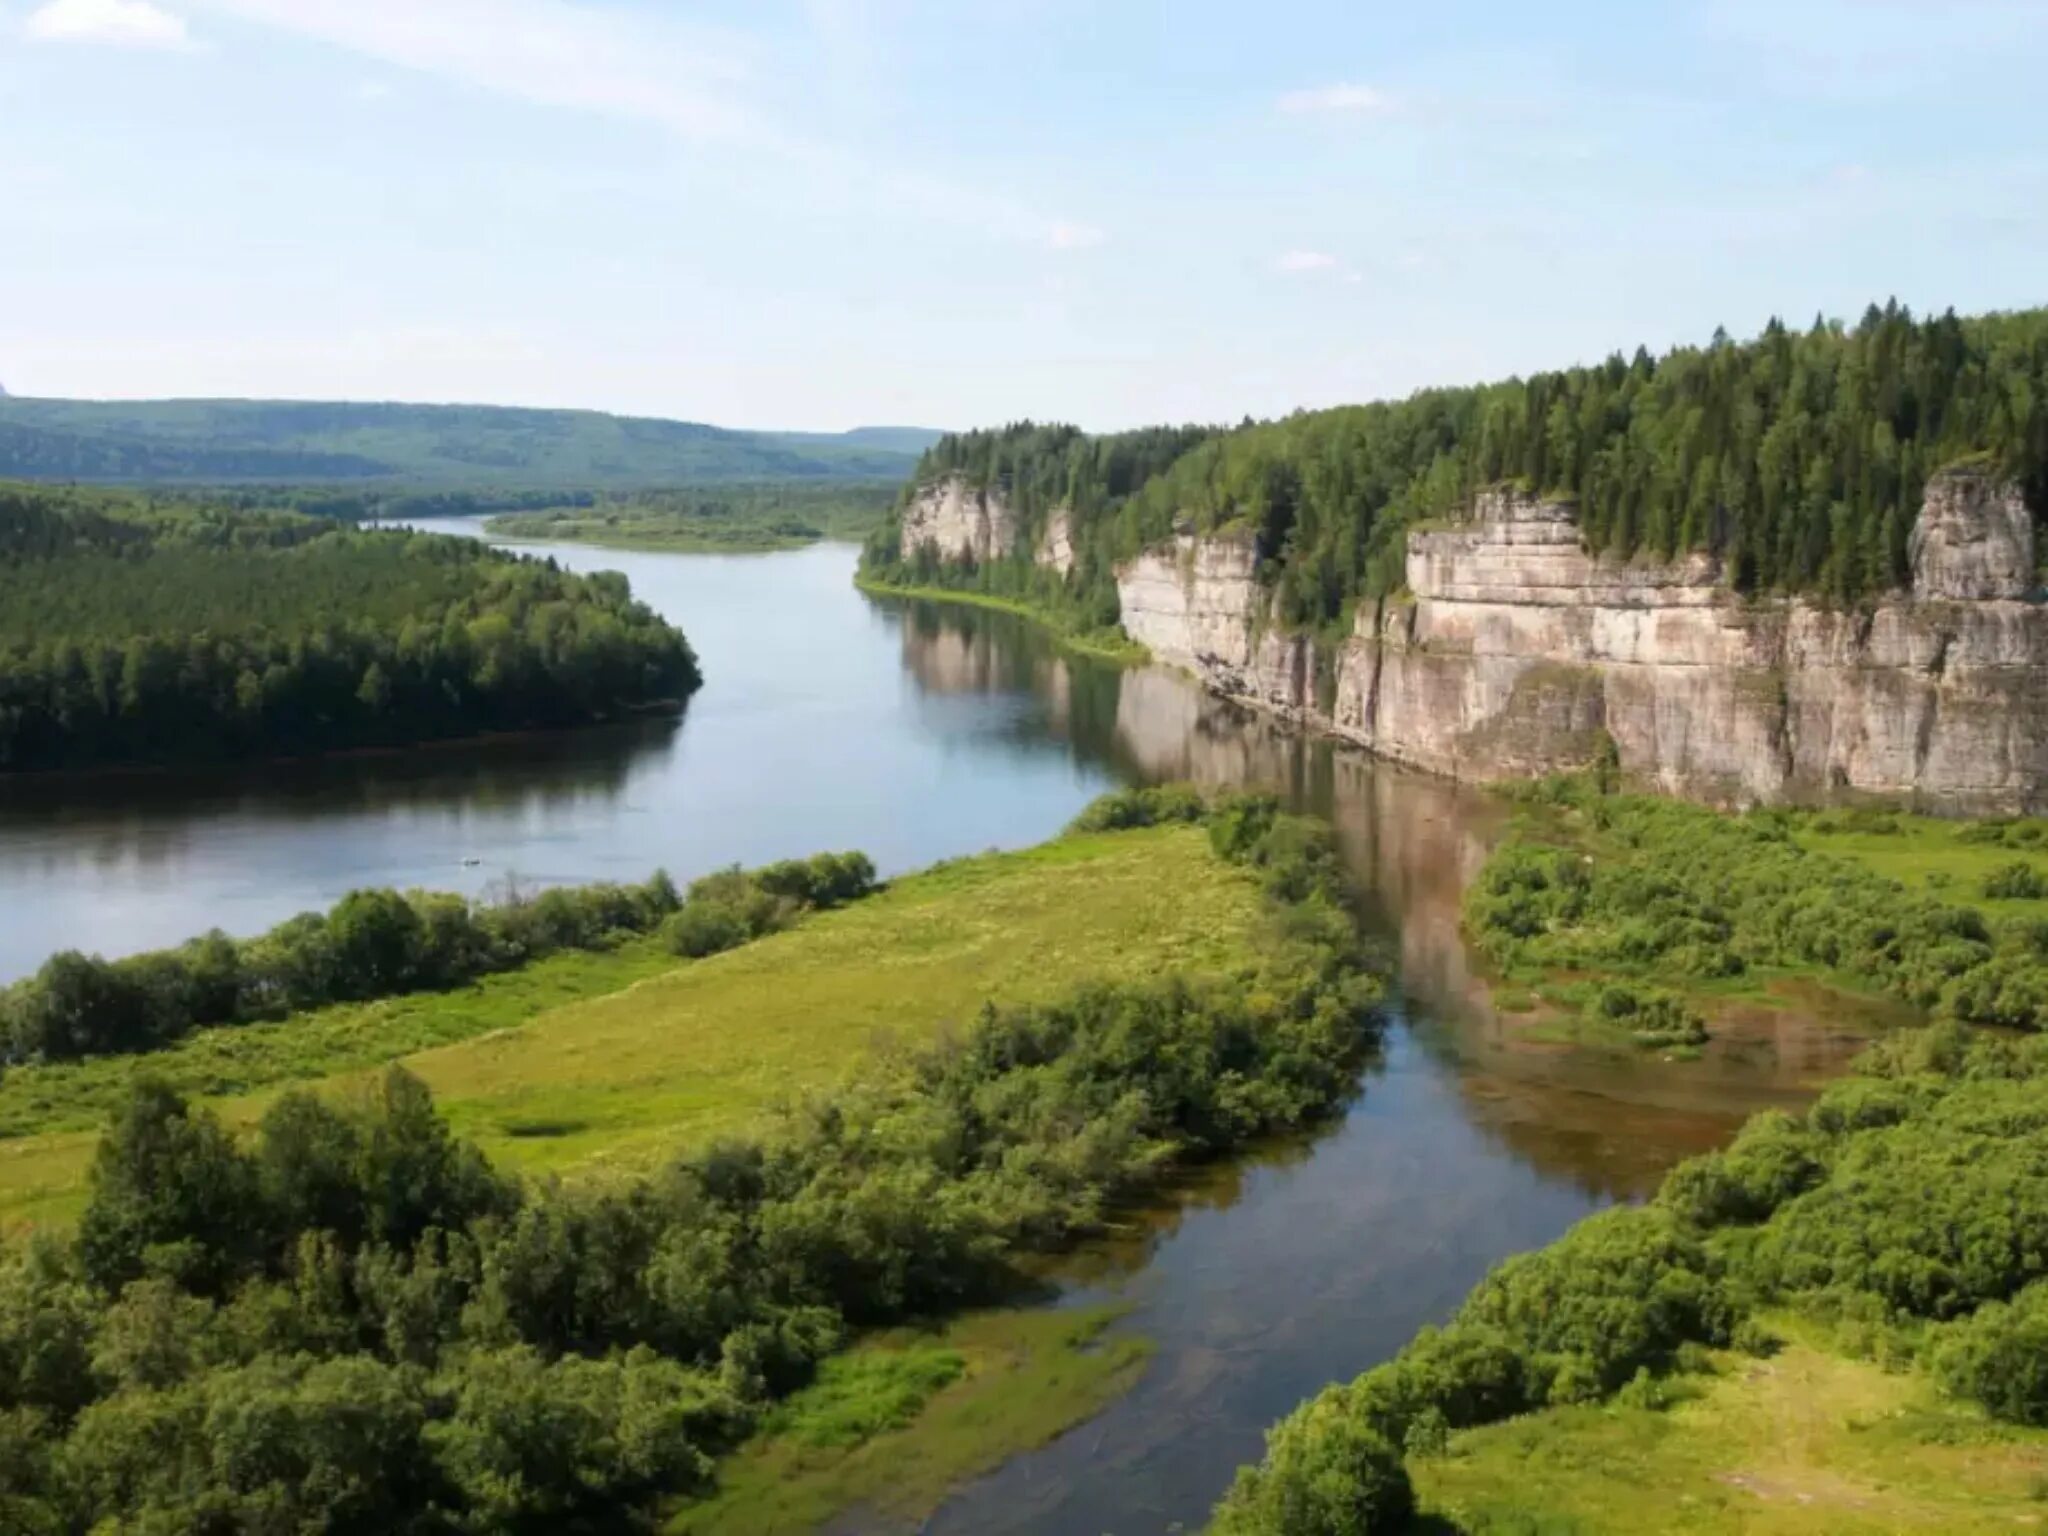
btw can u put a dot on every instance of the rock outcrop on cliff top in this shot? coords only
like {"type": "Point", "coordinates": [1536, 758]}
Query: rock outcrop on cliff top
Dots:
{"type": "Point", "coordinates": [1515, 652]}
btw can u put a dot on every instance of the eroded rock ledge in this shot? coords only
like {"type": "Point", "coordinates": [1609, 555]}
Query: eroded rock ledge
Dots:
{"type": "Point", "coordinates": [1517, 653]}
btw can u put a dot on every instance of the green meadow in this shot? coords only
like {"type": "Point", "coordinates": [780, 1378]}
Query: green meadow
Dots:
{"type": "Point", "coordinates": [587, 1062]}
{"type": "Point", "coordinates": [1807, 1440]}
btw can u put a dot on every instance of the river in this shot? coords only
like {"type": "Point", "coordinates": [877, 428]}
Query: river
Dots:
{"type": "Point", "coordinates": [918, 732]}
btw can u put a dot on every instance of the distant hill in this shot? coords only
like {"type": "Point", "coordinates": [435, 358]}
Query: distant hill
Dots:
{"type": "Point", "coordinates": [218, 442]}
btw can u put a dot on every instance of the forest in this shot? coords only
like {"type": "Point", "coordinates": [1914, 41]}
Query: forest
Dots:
{"type": "Point", "coordinates": [351, 1321]}
{"type": "Point", "coordinates": [1798, 457]}
{"type": "Point", "coordinates": [135, 631]}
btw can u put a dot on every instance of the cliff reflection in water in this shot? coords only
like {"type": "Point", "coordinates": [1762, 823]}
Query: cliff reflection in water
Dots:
{"type": "Point", "coordinates": [1610, 1121]}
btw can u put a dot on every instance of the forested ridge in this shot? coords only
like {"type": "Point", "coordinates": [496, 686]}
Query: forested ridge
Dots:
{"type": "Point", "coordinates": [1799, 456]}
{"type": "Point", "coordinates": [214, 442]}
{"type": "Point", "coordinates": [141, 632]}
{"type": "Point", "coordinates": [350, 1321]}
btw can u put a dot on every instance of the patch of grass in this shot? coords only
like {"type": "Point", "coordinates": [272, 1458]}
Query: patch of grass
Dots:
{"type": "Point", "coordinates": [238, 1059]}
{"type": "Point", "coordinates": [616, 1060]}
{"type": "Point", "coordinates": [1950, 859]}
{"type": "Point", "coordinates": [1804, 1441]}
{"type": "Point", "coordinates": [859, 1395]}
{"type": "Point", "coordinates": [1103, 644]}
{"type": "Point", "coordinates": [1022, 1379]}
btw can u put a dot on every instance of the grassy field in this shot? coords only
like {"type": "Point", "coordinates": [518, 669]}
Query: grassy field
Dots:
{"type": "Point", "coordinates": [613, 1060]}
{"type": "Point", "coordinates": [1804, 1441]}
{"type": "Point", "coordinates": [1105, 644]}
{"type": "Point", "coordinates": [1947, 858]}
{"type": "Point", "coordinates": [901, 1419]}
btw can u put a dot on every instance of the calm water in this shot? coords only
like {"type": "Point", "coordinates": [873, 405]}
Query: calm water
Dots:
{"type": "Point", "coordinates": [832, 721]}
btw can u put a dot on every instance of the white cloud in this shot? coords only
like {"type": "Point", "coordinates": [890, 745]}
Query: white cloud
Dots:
{"type": "Point", "coordinates": [1066, 236]}
{"type": "Point", "coordinates": [1358, 100]}
{"type": "Point", "coordinates": [1305, 261]}
{"type": "Point", "coordinates": [115, 23]}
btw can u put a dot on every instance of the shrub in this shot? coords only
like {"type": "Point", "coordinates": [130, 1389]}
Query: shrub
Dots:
{"type": "Point", "coordinates": [1325, 1474]}
{"type": "Point", "coordinates": [2017, 881]}
{"type": "Point", "coordinates": [1999, 1357]}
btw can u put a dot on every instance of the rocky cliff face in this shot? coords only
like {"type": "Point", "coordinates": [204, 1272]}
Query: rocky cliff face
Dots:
{"type": "Point", "coordinates": [960, 522]}
{"type": "Point", "coordinates": [1517, 653]}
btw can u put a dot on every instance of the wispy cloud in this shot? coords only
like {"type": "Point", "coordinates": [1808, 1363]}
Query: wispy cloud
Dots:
{"type": "Point", "coordinates": [699, 83]}
{"type": "Point", "coordinates": [110, 23]}
{"type": "Point", "coordinates": [542, 51]}
{"type": "Point", "coordinates": [1338, 100]}
{"type": "Point", "coordinates": [1305, 261]}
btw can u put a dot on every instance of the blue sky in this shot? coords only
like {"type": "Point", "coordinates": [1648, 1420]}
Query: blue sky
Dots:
{"type": "Point", "coordinates": [831, 212]}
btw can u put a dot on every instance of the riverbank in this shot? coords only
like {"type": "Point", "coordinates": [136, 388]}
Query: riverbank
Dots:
{"type": "Point", "coordinates": [1840, 1312]}
{"type": "Point", "coordinates": [521, 530]}
{"type": "Point", "coordinates": [905, 1417]}
{"type": "Point", "coordinates": [739, 519]}
{"type": "Point", "coordinates": [1102, 645]}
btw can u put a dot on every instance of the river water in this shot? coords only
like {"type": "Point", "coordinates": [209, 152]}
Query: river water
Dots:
{"type": "Point", "coordinates": [918, 732]}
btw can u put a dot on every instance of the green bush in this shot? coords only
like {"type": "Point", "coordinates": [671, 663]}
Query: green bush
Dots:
{"type": "Point", "coordinates": [1999, 1357]}
{"type": "Point", "coordinates": [2017, 881]}
{"type": "Point", "coordinates": [1325, 1474]}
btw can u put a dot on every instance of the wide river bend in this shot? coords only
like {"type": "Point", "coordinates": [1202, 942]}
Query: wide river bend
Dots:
{"type": "Point", "coordinates": [918, 732]}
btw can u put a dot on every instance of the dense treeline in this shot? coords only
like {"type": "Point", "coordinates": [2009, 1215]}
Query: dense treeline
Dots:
{"type": "Point", "coordinates": [1908, 1212]}
{"type": "Point", "coordinates": [1627, 885]}
{"type": "Point", "coordinates": [1799, 457]}
{"type": "Point", "coordinates": [133, 632]}
{"type": "Point", "coordinates": [353, 1323]}
{"type": "Point", "coordinates": [384, 943]}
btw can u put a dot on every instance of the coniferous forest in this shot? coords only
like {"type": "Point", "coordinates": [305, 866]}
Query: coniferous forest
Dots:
{"type": "Point", "coordinates": [134, 632]}
{"type": "Point", "coordinates": [1798, 456]}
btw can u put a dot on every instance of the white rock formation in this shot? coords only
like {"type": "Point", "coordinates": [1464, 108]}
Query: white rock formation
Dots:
{"type": "Point", "coordinates": [1518, 653]}
{"type": "Point", "coordinates": [960, 522]}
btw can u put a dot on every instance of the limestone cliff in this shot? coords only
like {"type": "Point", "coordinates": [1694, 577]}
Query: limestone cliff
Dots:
{"type": "Point", "coordinates": [960, 522]}
{"type": "Point", "coordinates": [1515, 653]}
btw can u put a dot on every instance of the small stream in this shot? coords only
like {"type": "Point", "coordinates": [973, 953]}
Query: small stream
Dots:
{"type": "Point", "coordinates": [919, 732]}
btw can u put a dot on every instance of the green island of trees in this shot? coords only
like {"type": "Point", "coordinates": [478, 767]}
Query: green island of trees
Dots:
{"type": "Point", "coordinates": [137, 632]}
{"type": "Point", "coordinates": [350, 1320]}
{"type": "Point", "coordinates": [1798, 456]}
{"type": "Point", "coordinates": [726, 519]}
